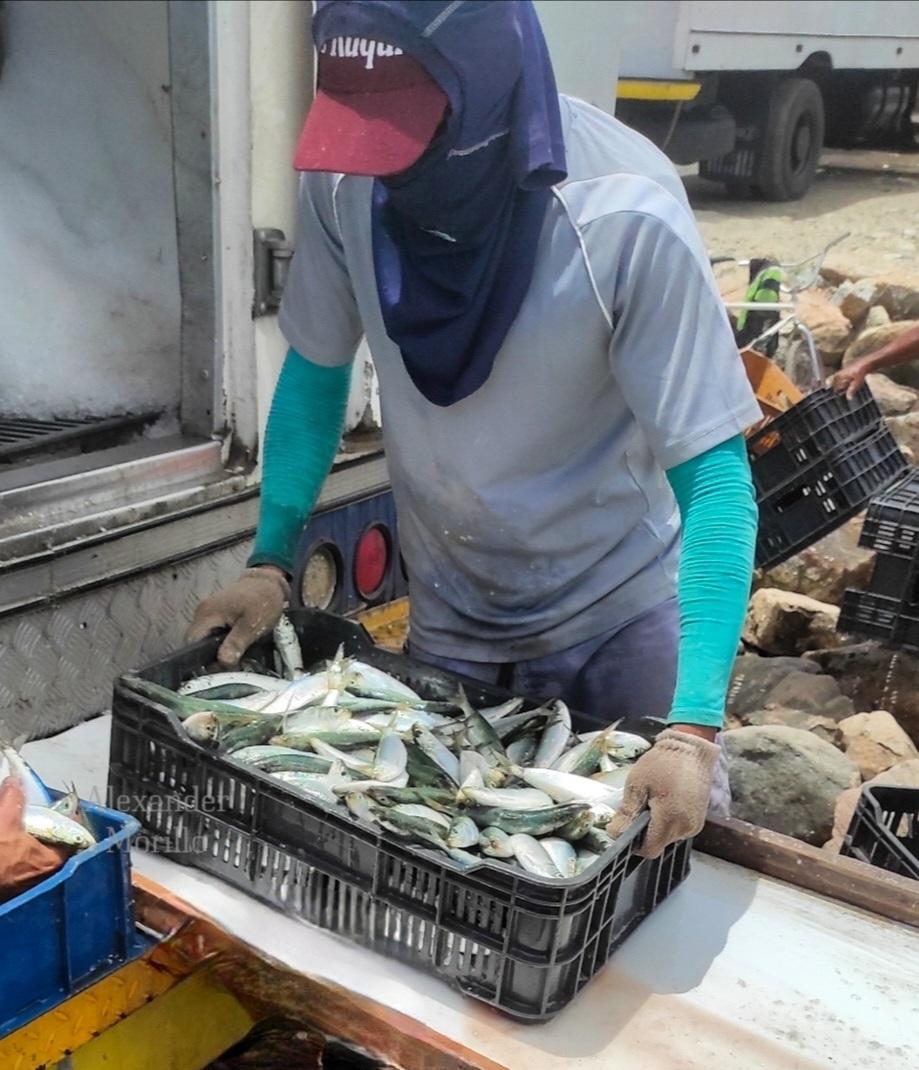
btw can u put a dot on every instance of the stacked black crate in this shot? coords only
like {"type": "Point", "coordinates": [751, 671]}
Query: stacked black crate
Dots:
{"type": "Point", "coordinates": [816, 466]}
{"type": "Point", "coordinates": [889, 609]}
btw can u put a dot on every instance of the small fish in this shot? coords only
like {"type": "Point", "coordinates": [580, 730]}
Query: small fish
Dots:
{"type": "Point", "coordinates": [371, 785]}
{"type": "Point", "coordinates": [56, 829]}
{"type": "Point", "coordinates": [493, 714]}
{"type": "Point", "coordinates": [424, 771]}
{"type": "Point", "coordinates": [183, 706]}
{"type": "Point", "coordinates": [579, 826]}
{"type": "Point", "coordinates": [360, 806]}
{"type": "Point", "coordinates": [535, 822]}
{"type": "Point", "coordinates": [391, 758]}
{"type": "Point", "coordinates": [333, 754]}
{"type": "Point", "coordinates": [568, 787]}
{"type": "Point", "coordinates": [625, 746]}
{"type": "Point", "coordinates": [287, 645]}
{"type": "Point", "coordinates": [439, 754]}
{"type": "Point", "coordinates": [12, 763]}
{"type": "Point", "coordinates": [562, 854]}
{"type": "Point", "coordinates": [583, 759]}
{"type": "Point", "coordinates": [370, 682]}
{"type": "Point", "coordinates": [470, 761]}
{"type": "Point", "coordinates": [481, 736]}
{"type": "Point", "coordinates": [316, 717]}
{"type": "Point", "coordinates": [520, 725]}
{"type": "Point", "coordinates": [506, 798]}
{"type": "Point", "coordinates": [522, 751]}
{"type": "Point", "coordinates": [614, 778]}
{"type": "Point", "coordinates": [532, 856]}
{"type": "Point", "coordinates": [405, 720]}
{"type": "Point", "coordinates": [555, 738]}
{"type": "Point", "coordinates": [495, 843]}
{"type": "Point", "coordinates": [433, 797]}
{"type": "Point", "coordinates": [596, 840]}
{"type": "Point", "coordinates": [69, 805]}
{"type": "Point", "coordinates": [249, 682]}
{"type": "Point", "coordinates": [347, 734]}
{"type": "Point", "coordinates": [463, 832]}
{"type": "Point", "coordinates": [281, 759]}
{"type": "Point", "coordinates": [424, 813]}
{"type": "Point", "coordinates": [585, 860]}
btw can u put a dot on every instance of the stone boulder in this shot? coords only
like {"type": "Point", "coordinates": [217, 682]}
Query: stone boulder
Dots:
{"type": "Point", "coordinates": [811, 694]}
{"type": "Point", "coordinates": [831, 330]}
{"type": "Point", "coordinates": [905, 429]}
{"type": "Point", "coordinates": [877, 317]}
{"type": "Point", "coordinates": [784, 622]}
{"type": "Point", "coordinates": [825, 728]}
{"type": "Point", "coordinates": [875, 742]}
{"type": "Point", "coordinates": [892, 399]}
{"type": "Point", "coordinates": [876, 679]}
{"type": "Point", "coordinates": [787, 780]}
{"type": "Point", "coordinates": [753, 678]}
{"type": "Point", "coordinates": [828, 568]}
{"type": "Point", "coordinates": [854, 299]}
{"type": "Point", "coordinates": [904, 775]}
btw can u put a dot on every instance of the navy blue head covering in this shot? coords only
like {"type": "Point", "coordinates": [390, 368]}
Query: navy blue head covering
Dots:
{"type": "Point", "coordinates": [455, 236]}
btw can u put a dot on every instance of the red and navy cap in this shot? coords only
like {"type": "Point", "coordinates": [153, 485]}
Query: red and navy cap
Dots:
{"type": "Point", "coordinates": [375, 112]}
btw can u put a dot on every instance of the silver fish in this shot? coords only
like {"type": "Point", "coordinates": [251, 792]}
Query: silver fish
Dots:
{"type": "Point", "coordinates": [373, 785]}
{"type": "Point", "coordinates": [535, 822]}
{"type": "Point", "coordinates": [625, 746]}
{"type": "Point", "coordinates": [583, 759]}
{"type": "Point", "coordinates": [279, 759]}
{"type": "Point", "coordinates": [439, 753]}
{"type": "Point", "coordinates": [585, 859]}
{"type": "Point", "coordinates": [361, 807]}
{"type": "Point", "coordinates": [56, 829]}
{"type": "Point", "coordinates": [371, 682]}
{"type": "Point", "coordinates": [562, 854]}
{"type": "Point", "coordinates": [391, 758]}
{"type": "Point", "coordinates": [506, 798]}
{"type": "Point", "coordinates": [258, 682]}
{"type": "Point", "coordinates": [12, 763]}
{"type": "Point", "coordinates": [555, 737]}
{"type": "Point", "coordinates": [463, 832]}
{"type": "Point", "coordinates": [471, 761]}
{"type": "Point", "coordinates": [597, 840]}
{"type": "Point", "coordinates": [495, 843]}
{"type": "Point", "coordinates": [425, 813]}
{"type": "Point", "coordinates": [492, 714]}
{"type": "Point", "coordinates": [615, 778]}
{"type": "Point", "coordinates": [532, 856]}
{"type": "Point", "coordinates": [522, 751]}
{"type": "Point", "coordinates": [346, 734]}
{"type": "Point", "coordinates": [287, 644]}
{"type": "Point", "coordinates": [568, 787]}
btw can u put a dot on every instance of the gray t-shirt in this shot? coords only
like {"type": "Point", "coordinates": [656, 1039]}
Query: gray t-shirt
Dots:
{"type": "Point", "coordinates": [536, 514]}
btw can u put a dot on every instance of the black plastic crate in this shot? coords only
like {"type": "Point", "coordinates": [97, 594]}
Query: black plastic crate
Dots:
{"type": "Point", "coordinates": [884, 830]}
{"type": "Point", "coordinates": [829, 493]}
{"type": "Point", "coordinates": [521, 943]}
{"type": "Point", "coordinates": [800, 438]}
{"type": "Point", "coordinates": [892, 524]}
{"type": "Point", "coordinates": [879, 616]}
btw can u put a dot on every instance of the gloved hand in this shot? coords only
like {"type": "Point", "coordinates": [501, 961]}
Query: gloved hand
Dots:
{"type": "Point", "coordinates": [23, 860]}
{"type": "Point", "coordinates": [250, 608]}
{"type": "Point", "coordinates": [673, 779]}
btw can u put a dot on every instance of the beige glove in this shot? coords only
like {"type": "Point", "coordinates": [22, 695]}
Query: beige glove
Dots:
{"type": "Point", "coordinates": [250, 608]}
{"type": "Point", "coordinates": [674, 780]}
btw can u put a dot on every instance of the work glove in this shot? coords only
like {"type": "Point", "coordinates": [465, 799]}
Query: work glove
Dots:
{"type": "Point", "coordinates": [674, 780]}
{"type": "Point", "coordinates": [23, 860]}
{"type": "Point", "coordinates": [250, 608]}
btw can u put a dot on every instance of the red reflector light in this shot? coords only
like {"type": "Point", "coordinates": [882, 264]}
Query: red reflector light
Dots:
{"type": "Point", "coordinates": [371, 560]}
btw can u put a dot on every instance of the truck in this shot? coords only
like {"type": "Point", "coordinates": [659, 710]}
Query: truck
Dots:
{"type": "Point", "coordinates": [752, 92]}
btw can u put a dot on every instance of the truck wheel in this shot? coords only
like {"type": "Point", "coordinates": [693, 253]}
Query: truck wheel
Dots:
{"type": "Point", "coordinates": [792, 141]}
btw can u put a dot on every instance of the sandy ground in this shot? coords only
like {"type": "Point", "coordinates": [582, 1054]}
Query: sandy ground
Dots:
{"type": "Point", "coordinates": [873, 195]}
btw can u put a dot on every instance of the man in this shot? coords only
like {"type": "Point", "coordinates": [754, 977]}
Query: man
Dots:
{"type": "Point", "coordinates": [558, 380]}
{"type": "Point", "coordinates": [900, 351]}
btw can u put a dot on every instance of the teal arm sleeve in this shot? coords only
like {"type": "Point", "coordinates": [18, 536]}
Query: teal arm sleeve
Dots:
{"type": "Point", "coordinates": [304, 429]}
{"type": "Point", "coordinates": [718, 509]}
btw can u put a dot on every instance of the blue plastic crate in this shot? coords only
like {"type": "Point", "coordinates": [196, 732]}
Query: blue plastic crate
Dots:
{"type": "Point", "coordinates": [71, 929]}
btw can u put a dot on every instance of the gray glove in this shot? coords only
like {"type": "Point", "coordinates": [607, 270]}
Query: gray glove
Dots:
{"type": "Point", "coordinates": [250, 608]}
{"type": "Point", "coordinates": [674, 780]}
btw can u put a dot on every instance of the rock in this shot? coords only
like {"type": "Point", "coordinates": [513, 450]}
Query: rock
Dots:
{"type": "Point", "coordinates": [875, 742]}
{"type": "Point", "coordinates": [867, 341]}
{"type": "Point", "coordinates": [825, 728]}
{"type": "Point", "coordinates": [878, 316]}
{"type": "Point", "coordinates": [905, 429]}
{"type": "Point", "coordinates": [811, 694]}
{"type": "Point", "coordinates": [828, 568]}
{"type": "Point", "coordinates": [900, 300]}
{"type": "Point", "coordinates": [876, 679]}
{"type": "Point", "coordinates": [893, 399]}
{"type": "Point", "coordinates": [753, 679]}
{"type": "Point", "coordinates": [787, 780]}
{"type": "Point", "coordinates": [855, 298]}
{"type": "Point", "coordinates": [784, 622]}
{"type": "Point", "coordinates": [831, 330]}
{"type": "Point", "coordinates": [837, 274]}
{"type": "Point", "coordinates": [904, 775]}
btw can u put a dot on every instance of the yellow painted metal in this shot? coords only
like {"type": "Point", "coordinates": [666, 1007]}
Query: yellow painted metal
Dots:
{"type": "Point", "coordinates": [387, 624]}
{"type": "Point", "coordinates": [49, 1037]}
{"type": "Point", "coordinates": [651, 89]}
{"type": "Point", "coordinates": [184, 1029]}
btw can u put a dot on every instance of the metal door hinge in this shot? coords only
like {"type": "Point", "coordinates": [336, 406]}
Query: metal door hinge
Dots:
{"type": "Point", "coordinates": [272, 253]}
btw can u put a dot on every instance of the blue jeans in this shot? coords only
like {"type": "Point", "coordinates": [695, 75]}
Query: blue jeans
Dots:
{"type": "Point", "coordinates": [627, 673]}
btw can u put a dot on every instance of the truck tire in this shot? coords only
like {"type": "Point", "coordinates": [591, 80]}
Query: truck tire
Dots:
{"type": "Point", "coordinates": [792, 140]}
